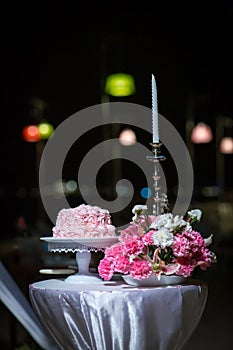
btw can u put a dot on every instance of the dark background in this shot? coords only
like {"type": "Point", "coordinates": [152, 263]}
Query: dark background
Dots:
{"type": "Point", "coordinates": [62, 54]}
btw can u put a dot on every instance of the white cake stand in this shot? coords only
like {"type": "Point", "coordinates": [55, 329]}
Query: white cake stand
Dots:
{"type": "Point", "coordinates": [82, 248]}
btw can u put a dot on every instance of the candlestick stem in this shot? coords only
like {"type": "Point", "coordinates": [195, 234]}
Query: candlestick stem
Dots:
{"type": "Point", "coordinates": [160, 203]}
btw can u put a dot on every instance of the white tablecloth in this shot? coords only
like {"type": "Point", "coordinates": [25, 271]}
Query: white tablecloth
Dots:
{"type": "Point", "coordinates": [116, 316]}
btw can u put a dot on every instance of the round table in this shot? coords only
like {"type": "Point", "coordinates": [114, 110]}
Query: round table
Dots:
{"type": "Point", "coordinates": [115, 316]}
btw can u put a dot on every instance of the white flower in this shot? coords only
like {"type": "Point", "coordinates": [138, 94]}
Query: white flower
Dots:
{"type": "Point", "coordinates": [163, 238]}
{"type": "Point", "coordinates": [139, 208]}
{"type": "Point", "coordinates": [188, 227]}
{"type": "Point", "coordinates": [169, 222]}
{"type": "Point", "coordinates": [161, 221]}
{"type": "Point", "coordinates": [177, 221]}
{"type": "Point", "coordinates": [195, 213]}
{"type": "Point", "coordinates": [208, 240]}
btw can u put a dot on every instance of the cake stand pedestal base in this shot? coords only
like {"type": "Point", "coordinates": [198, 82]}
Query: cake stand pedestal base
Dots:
{"type": "Point", "coordinates": [83, 275]}
{"type": "Point", "coordinates": [82, 248]}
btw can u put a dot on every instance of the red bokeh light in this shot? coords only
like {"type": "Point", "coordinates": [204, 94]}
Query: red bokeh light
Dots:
{"type": "Point", "coordinates": [31, 133]}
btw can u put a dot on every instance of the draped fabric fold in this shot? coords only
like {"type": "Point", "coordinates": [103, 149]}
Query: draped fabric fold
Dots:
{"type": "Point", "coordinates": [17, 303]}
{"type": "Point", "coordinates": [115, 316]}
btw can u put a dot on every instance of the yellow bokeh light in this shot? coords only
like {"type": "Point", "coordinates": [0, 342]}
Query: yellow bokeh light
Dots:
{"type": "Point", "coordinates": [45, 130]}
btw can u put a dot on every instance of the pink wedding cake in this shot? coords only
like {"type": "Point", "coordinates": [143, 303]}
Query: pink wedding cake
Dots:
{"type": "Point", "coordinates": [84, 221]}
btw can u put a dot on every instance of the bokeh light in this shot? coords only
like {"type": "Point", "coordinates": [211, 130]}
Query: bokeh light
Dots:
{"type": "Point", "coordinates": [226, 145]}
{"type": "Point", "coordinates": [120, 84]}
{"type": "Point", "coordinates": [127, 137]}
{"type": "Point", "coordinates": [201, 133]}
{"type": "Point", "coordinates": [45, 130]}
{"type": "Point", "coordinates": [71, 186]}
{"type": "Point", "coordinates": [146, 192]}
{"type": "Point", "coordinates": [31, 133]}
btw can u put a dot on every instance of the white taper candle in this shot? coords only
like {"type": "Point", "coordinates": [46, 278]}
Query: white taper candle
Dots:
{"type": "Point", "coordinates": [155, 122]}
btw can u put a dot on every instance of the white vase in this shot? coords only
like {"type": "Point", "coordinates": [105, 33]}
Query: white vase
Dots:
{"type": "Point", "coordinates": [153, 280]}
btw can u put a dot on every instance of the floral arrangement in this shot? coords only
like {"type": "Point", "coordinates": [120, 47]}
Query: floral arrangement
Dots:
{"type": "Point", "coordinates": [156, 245]}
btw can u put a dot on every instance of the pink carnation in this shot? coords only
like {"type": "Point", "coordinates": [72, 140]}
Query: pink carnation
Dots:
{"type": "Point", "coordinates": [140, 269]}
{"type": "Point", "coordinates": [114, 251]}
{"type": "Point", "coordinates": [147, 239]}
{"type": "Point", "coordinates": [122, 264]}
{"type": "Point", "coordinates": [133, 246]}
{"type": "Point", "coordinates": [185, 270]}
{"type": "Point", "coordinates": [190, 251]}
{"type": "Point", "coordinates": [106, 269]}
